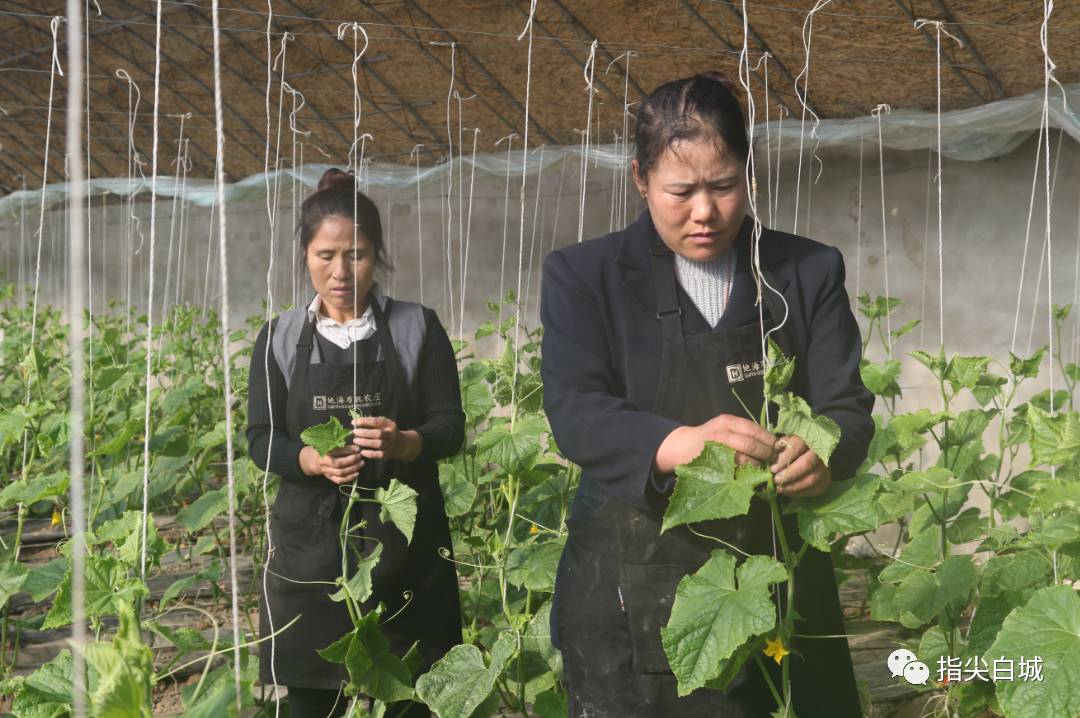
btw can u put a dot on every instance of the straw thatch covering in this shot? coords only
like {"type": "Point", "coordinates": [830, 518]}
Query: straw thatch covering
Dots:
{"type": "Point", "coordinates": [863, 53]}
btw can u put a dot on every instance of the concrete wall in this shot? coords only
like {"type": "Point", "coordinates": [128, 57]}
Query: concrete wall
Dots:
{"type": "Point", "coordinates": [985, 215]}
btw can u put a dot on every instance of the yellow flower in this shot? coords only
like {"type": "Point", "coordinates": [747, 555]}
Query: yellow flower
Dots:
{"type": "Point", "coordinates": [56, 517]}
{"type": "Point", "coordinates": [775, 647]}
{"type": "Point", "coordinates": [534, 530]}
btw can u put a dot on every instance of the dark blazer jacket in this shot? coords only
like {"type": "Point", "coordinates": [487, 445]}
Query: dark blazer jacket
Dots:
{"type": "Point", "coordinates": [602, 340]}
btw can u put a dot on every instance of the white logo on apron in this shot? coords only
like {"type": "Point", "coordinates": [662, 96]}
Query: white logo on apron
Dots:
{"type": "Point", "coordinates": [741, 371]}
{"type": "Point", "coordinates": [320, 402]}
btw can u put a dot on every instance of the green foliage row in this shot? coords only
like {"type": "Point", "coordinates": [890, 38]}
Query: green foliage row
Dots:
{"type": "Point", "coordinates": [508, 493]}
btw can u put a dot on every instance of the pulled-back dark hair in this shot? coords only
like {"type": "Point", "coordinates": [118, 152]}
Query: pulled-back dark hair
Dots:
{"type": "Point", "coordinates": [337, 196]}
{"type": "Point", "coordinates": [687, 109]}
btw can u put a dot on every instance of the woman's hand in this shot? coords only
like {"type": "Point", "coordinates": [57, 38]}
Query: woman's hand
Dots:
{"type": "Point", "coordinates": [379, 438]}
{"type": "Point", "coordinates": [750, 441]}
{"type": "Point", "coordinates": [799, 472]}
{"type": "Point", "coordinates": [340, 466]}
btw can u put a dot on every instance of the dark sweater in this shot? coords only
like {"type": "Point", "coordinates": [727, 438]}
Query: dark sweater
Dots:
{"type": "Point", "coordinates": [441, 421]}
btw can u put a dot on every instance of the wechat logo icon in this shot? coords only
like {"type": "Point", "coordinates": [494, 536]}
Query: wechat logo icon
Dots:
{"type": "Point", "coordinates": [903, 662]}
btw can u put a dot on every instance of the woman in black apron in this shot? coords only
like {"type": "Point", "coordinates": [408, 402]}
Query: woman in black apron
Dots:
{"type": "Point", "coordinates": [652, 346]}
{"type": "Point", "coordinates": [352, 348]}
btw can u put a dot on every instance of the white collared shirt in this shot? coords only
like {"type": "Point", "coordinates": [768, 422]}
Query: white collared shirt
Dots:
{"type": "Point", "coordinates": [340, 334]}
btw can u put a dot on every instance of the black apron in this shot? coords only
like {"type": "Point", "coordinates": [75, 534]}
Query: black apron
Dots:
{"type": "Point", "coordinates": [306, 517]}
{"type": "Point", "coordinates": [618, 574]}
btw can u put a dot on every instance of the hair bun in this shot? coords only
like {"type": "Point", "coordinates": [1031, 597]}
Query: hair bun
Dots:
{"type": "Point", "coordinates": [337, 180]}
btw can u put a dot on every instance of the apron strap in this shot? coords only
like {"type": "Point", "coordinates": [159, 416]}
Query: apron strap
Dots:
{"type": "Point", "coordinates": [303, 351]}
{"type": "Point", "coordinates": [670, 313]}
{"type": "Point", "coordinates": [392, 359]}
{"type": "Point", "coordinates": [668, 310]}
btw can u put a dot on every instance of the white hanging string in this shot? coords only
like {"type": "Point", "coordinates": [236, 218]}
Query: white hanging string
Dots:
{"type": "Point", "coordinates": [89, 244]}
{"type": "Point", "coordinates": [181, 253]}
{"type": "Point", "coordinates": [521, 240]}
{"type": "Point", "coordinates": [751, 184]}
{"type": "Point", "coordinates": [76, 286]}
{"type": "Point", "coordinates": [296, 188]}
{"type": "Point", "coordinates": [55, 68]}
{"type": "Point", "coordinates": [775, 193]}
{"type": "Point", "coordinates": [759, 276]}
{"type": "Point", "coordinates": [589, 72]}
{"type": "Point", "coordinates": [1048, 75]}
{"type": "Point", "coordinates": [619, 188]}
{"type": "Point", "coordinates": [858, 229]}
{"type": "Point", "coordinates": [878, 112]}
{"type": "Point", "coordinates": [150, 297]}
{"type": "Point", "coordinates": [1027, 237]}
{"type": "Point", "coordinates": [279, 67]}
{"type": "Point", "coordinates": [926, 241]}
{"type": "Point", "coordinates": [445, 269]}
{"type": "Point", "coordinates": [1043, 250]}
{"type": "Point", "coordinates": [532, 238]}
{"type": "Point", "coordinates": [22, 236]}
{"type": "Point", "coordinates": [509, 139]}
{"type": "Point", "coordinates": [172, 224]}
{"type": "Point", "coordinates": [131, 223]}
{"type": "Point", "coordinates": [1076, 292]}
{"type": "Point", "coordinates": [450, 185]}
{"type": "Point", "coordinates": [768, 139]}
{"type": "Point", "coordinates": [223, 257]}
{"type": "Point", "coordinates": [468, 230]}
{"type": "Point", "coordinates": [357, 168]}
{"type": "Point", "coordinates": [209, 255]}
{"type": "Point", "coordinates": [555, 223]}
{"type": "Point", "coordinates": [293, 189]}
{"type": "Point", "coordinates": [613, 210]}
{"type": "Point", "coordinates": [807, 37]}
{"type": "Point", "coordinates": [419, 221]}
{"type": "Point", "coordinates": [919, 24]}
{"type": "Point", "coordinates": [389, 214]}
{"type": "Point", "coordinates": [271, 216]}
{"type": "Point", "coordinates": [461, 207]}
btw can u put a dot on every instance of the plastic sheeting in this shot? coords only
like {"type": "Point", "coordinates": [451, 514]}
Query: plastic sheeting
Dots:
{"type": "Point", "coordinates": [974, 134]}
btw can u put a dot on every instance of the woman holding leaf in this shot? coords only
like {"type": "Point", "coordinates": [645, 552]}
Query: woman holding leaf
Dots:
{"type": "Point", "coordinates": [385, 369]}
{"type": "Point", "coordinates": [655, 379]}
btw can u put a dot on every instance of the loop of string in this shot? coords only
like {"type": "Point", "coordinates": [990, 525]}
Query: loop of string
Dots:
{"type": "Point", "coordinates": [589, 73]}
{"type": "Point", "coordinates": [132, 224]}
{"type": "Point", "coordinates": [807, 37]}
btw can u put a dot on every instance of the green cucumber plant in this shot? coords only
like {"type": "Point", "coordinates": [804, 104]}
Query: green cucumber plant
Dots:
{"type": "Point", "coordinates": [981, 587]}
{"type": "Point", "coordinates": [735, 601]}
